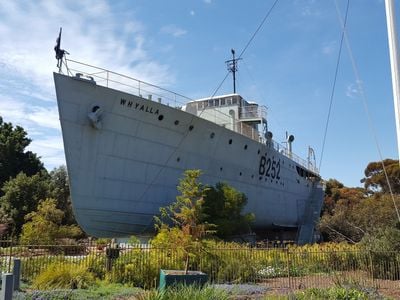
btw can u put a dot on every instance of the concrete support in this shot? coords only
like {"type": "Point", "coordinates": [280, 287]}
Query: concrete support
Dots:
{"type": "Point", "coordinates": [7, 286]}
{"type": "Point", "coordinates": [17, 273]}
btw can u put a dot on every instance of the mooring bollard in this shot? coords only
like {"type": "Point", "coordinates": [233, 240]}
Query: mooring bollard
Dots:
{"type": "Point", "coordinates": [7, 286]}
{"type": "Point", "coordinates": [17, 273]}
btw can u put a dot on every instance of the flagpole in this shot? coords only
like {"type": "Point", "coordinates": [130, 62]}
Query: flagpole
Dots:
{"type": "Point", "coordinates": [394, 64]}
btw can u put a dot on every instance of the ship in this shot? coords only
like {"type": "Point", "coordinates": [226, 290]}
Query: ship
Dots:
{"type": "Point", "coordinates": [127, 143]}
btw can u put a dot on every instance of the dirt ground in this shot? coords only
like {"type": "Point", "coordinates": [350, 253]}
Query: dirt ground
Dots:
{"type": "Point", "coordinates": [286, 286]}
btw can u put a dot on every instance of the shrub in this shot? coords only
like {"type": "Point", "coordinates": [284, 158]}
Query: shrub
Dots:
{"type": "Point", "coordinates": [383, 247]}
{"type": "Point", "coordinates": [334, 293]}
{"type": "Point", "coordinates": [64, 276]}
{"type": "Point", "coordinates": [186, 293]}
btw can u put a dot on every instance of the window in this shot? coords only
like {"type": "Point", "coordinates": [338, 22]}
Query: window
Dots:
{"type": "Point", "coordinates": [216, 102]}
{"type": "Point", "coordinates": [234, 101]}
{"type": "Point", "coordinates": [229, 101]}
{"type": "Point", "coordinates": [200, 105]}
{"type": "Point", "coordinates": [210, 102]}
{"type": "Point", "coordinates": [222, 102]}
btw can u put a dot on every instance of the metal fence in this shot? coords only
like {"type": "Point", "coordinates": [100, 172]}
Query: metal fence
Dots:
{"type": "Point", "coordinates": [276, 268]}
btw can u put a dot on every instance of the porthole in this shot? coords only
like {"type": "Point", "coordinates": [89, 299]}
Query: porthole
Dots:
{"type": "Point", "coordinates": [212, 135]}
{"type": "Point", "coordinates": [160, 117]}
{"type": "Point", "coordinates": [258, 152]}
{"type": "Point", "coordinates": [260, 178]}
{"type": "Point", "coordinates": [178, 159]}
{"type": "Point", "coordinates": [230, 141]}
{"type": "Point", "coordinates": [220, 169]}
{"type": "Point", "coordinates": [245, 147]}
{"type": "Point", "coordinates": [252, 176]}
{"type": "Point", "coordinates": [240, 174]}
{"type": "Point", "coordinates": [176, 122]}
{"type": "Point", "coordinates": [191, 127]}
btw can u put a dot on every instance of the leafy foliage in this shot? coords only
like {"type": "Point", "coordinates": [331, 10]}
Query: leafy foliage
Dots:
{"type": "Point", "coordinates": [21, 196]}
{"type": "Point", "coordinates": [59, 190]}
{"type": "Point", "coordinates": [375, 179]}
{"type": "Point", "coordinates": [186, 293]}
{"type": "Point", "coordinates": [44, 227]}
{"type": "Point", "coordinates": [383, 246]}
{"type": "Point", "coordinates": [13, 157]}
{"type": "Point", "coordinates": [181, 224]}
{"type": "Point", "coordinates": [354, 215]}
{"type": "Point", "coordinates": [223, 207]}
{"type": "Point", "coordinates": [64, 276]}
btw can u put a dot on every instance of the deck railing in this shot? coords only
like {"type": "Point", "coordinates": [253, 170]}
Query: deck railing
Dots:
{"type": "Point", "coordinates": [155, 93]}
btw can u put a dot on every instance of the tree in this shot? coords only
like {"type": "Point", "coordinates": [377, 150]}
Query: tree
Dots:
{"type": "Point", "coordinates": [181, 224]}
{"type": "Point", "coordinates": [332, 195]}
{"type": "Point", "coordinates": [356, 214]}
{"type": "Point", "coordinates": [13, 157]}
{"type": "Point", "coordinates": [44, 227]}
{"type": "Point", "coordinates": [223, 207]}
{"type": "Point", "coordinates": [59, 187]}
{"type": "Point", "coordinates": [21, 196]}
{"type": "Point", "coordinates": [340, 205]}
{"type": "Point", "coordinates": [375, 179]}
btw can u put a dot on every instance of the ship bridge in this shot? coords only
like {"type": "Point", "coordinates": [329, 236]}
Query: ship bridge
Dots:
{"type": "Point", "coordinates": [233, 112]}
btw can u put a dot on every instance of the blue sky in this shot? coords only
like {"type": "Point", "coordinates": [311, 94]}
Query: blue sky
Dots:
{"type": "Point", "coordinates": [182, 45]}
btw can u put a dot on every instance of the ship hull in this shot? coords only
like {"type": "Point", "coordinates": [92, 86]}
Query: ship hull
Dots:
{"type": "Point", "coordinates": [128, 165]}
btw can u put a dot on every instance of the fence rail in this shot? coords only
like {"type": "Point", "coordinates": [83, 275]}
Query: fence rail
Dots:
{"type": "Point", "coordinates": [277, 268]}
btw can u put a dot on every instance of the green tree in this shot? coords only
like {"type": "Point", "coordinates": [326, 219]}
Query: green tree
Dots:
{"type": "Point", "coordinates": [59, 188]}
{"type": "Point", "coordinates": [375, 179]}
{"type": "Point", "coordinates": [356, 214]}
{"type": "Point", "coordinates": [44, 227]}
{"type": "Point", "coordinates": [13, 157]}
{"type": "Point", "coordinates": [340, 206]}
{"type": "Point", "coordinates": [181, 224]}
{"type": "Point", "coordinates": [21, 196]}
{"type": "Point", "coordinates": [223, 206]}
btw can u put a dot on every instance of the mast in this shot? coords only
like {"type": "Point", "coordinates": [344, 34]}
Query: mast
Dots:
{"type": "Point", "coordinates": [232, 67]}
{"type": "Point", "coordinates": [394, 63]}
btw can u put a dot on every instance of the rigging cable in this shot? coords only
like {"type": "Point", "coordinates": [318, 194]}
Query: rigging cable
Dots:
{"type": "Point", "coordinates": [369, 118]}
{"type": "Point", "coordinates": [247, 45]}
{"type": "Point", "coordinates": [334, 83]}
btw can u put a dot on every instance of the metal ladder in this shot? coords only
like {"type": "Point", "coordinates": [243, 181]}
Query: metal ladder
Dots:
{"type": "Point", "coordinates": [311, 215]}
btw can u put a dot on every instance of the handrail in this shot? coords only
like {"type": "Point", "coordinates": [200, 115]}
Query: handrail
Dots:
{"type": "Point", "coordinates": [140, 87]}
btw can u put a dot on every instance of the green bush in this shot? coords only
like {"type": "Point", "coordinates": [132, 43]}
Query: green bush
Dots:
{"type": "Point", "coordinates": [383, 247]}
{"type": "Point", "coordinates": [186, 293]}
{"type": "Point", "coordinates": [32, 266]}
{"type": "Point", "coordinates": [64, 276]}
{"type": "Point", "coordinates": [335, 293]}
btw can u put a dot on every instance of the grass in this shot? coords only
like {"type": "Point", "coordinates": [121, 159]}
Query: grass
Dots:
{"type": "Point", "coordinates": [106, 291]}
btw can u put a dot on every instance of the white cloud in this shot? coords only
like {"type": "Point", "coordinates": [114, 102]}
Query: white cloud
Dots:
{"type": "Point", "coordinates": [28, 116]}
{"type": "Point", "coordinates": [329, 48]}
{"type": "Point", "coordinates": [192, 12]}
{"type": "Point", "coordinates": [208, 1]}
{"type": "Point", "coordinates": [50, 150]}
{"type": "Point", "coordinates": [354, 90]}
{"type": "Point", "coordinates": [173, 30]}
{"type": "Point", "coordinates": [91, 33]}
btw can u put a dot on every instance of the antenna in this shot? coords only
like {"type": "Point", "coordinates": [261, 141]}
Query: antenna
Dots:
{"type": "Point", "coordinates": [232, 67]}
